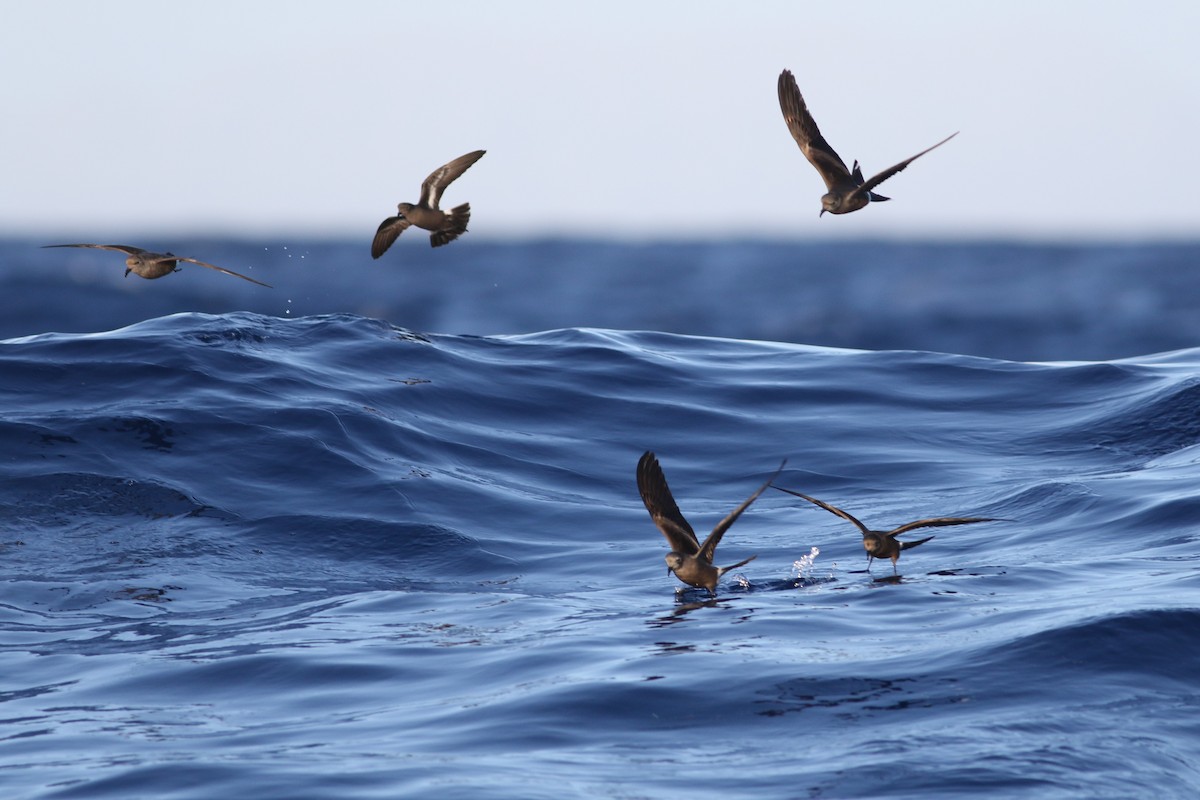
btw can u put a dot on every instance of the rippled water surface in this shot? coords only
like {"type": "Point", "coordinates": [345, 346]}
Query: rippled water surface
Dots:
{"type": "Point", "coordinates": [254, 554]}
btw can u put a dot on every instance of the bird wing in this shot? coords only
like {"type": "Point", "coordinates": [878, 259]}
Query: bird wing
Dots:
{"type": "Point", "coordinates": [120, 248]}
{"type": "Point", "coordinates": [709, 548]}
{"type": "Point", "coordinates": [169, 257]}
{"type": "Point", "coordinates": [652, 485]}
{"type": "Point", "coordinates": [389, 231]}
{"type": "Point", "coordinates": [443, 176]}
{"type": "Point", "coordinates": [892, 170]}
{"type": "Point", "coordinates": [936, 522]}
{"type": "Point", "coordinates": [804, 130]}
{"type": "Point", "coordinates": [831, 509]}
{"type": "Point", "coordinates": [913, 543]}
{"type": "Point", "coordinates": [742, 563]}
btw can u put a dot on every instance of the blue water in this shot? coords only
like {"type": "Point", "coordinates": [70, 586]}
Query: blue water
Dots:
{"type": "Point", "coordinates": [256, 545]}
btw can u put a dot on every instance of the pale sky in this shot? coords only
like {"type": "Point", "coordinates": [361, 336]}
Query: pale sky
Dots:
{"type": "Point", "coordinates": [1078, 119]}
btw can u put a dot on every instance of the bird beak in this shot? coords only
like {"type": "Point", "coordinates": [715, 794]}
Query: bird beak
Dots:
{"type": "Point", "coordinates": [668, 570]}
{"type": "Point", "coordinates": [127, 271]}
{"type": "Point", "coordinates": [821, 214]}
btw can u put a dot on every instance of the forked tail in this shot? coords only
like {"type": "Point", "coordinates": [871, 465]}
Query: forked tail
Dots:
{"type": "Point", "coordinates": [456, 225]}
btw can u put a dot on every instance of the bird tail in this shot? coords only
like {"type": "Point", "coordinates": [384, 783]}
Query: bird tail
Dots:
{"type": "Point", "coordinates": [914, 543]}
{"type": "Point", "coordinates": [456, 225]}
{"type": "Point", "coordinates": [860, 180]}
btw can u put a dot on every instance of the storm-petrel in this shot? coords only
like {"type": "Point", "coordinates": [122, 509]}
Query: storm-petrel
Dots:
{"type": "Point", "coordinates": [691, 561]}
{"type": "Point", "coordinates": [446, 226]}
{"type": "Point", "coordinates": [847, 189]}
{"type": "Point", "coordinates": [883, 544]}
{"type": "Point", "coordinates": [154, 265]}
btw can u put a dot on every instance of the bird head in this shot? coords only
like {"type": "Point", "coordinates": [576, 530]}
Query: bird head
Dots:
{"type": "Point", "coordinates": [403, 209]}
{"type": "Point", "coordinates": [674, 561]}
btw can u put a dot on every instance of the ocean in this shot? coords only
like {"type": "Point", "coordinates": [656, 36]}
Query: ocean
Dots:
{"type": "Point", "coordinates": [375, 532]}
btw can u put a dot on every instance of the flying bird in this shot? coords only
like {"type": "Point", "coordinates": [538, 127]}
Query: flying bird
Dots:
{"type": "Point", "coordinates": [155, 265]}
{"type": "Point", "coordinates": [883, 544]}
{"type": "Point", "coordinates": [446, 226]}
{"type": "Point", "coordinates": [691, 561]}
{"type": "Point", "coordinates": [847, 191]}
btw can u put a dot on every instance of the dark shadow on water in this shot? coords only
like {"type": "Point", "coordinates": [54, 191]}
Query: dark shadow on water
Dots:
{"type": "Point", "coordinates": [851, 697]}
{"type": "Point", "coordinates": [688, 600]}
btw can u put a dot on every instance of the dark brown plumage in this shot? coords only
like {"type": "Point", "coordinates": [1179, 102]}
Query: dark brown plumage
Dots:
{"type": "Point", "coordinates": [155, 265]}
{"type": "Point", "coordinates": [691, 561]}
{"type": "Point", "coordinates": [846, 189]}
{"type": "Point", "coordinates": [445, 226]}
{"type": "Point", "coordinates": [883, 544]}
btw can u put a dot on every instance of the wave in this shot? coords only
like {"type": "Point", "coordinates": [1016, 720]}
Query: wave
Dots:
{"type": "Point", "coordinates": [331, 535]}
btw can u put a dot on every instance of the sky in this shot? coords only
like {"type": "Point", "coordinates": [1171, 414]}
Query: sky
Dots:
{"type": "Point", "coordinates": [629, 120]}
